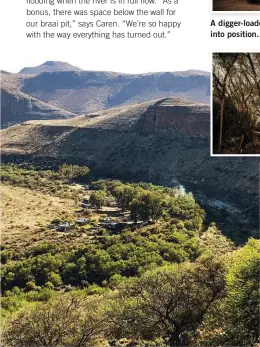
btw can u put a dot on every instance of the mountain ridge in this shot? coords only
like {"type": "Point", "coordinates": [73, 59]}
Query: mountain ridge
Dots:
{"type": "Point", "coordinates": [82, 92]}
{"type": "Point", "coordinates": [17, 105]}
{"type": "Point", "coordinates": [49, 66]}
{"type": "Point", "coordinates": [121, 143]}
{"type": "Point", "coordinates": [54, 66]}
{"type": "Point", "coordinates": [90, 91]}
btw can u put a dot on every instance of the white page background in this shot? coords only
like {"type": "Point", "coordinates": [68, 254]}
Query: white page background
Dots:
{"type": "Point", "coordinates": [187, 48]}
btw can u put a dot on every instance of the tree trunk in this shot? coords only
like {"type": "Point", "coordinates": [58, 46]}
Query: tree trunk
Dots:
{"type": "Point", "coordinates": [174, 339]}
{"type": "Point", "coordinates": [221, 123]}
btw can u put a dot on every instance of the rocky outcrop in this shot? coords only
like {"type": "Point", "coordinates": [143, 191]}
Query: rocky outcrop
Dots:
{"type": "Point", "coordinates": [82, 92]}
{"type": "Point", "coordinates": [176, 116]}
{"type": "Point", "coordinates": [164, 141]}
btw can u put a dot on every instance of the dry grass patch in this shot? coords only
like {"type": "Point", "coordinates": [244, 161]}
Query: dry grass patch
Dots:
{"type": "Point", "coordinates": [26, 215]}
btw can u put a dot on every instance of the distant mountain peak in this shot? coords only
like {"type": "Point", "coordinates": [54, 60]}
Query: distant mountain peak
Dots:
{"type": "Point", "coordinates": [52, 63]}
{"type": "Point", "coordinates": [192, 72]}
{"type": "Point", "coordinates": [49, 66]}
{"type": "Point", "coordinates": [82, 92]}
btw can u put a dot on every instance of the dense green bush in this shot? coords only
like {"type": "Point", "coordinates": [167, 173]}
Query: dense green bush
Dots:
{"type": "Point", "coordinates": [45, 180]}
{"type": "Point", "coordinates": [173, 281]}
{"type": "Point", "coordinates": [126, 254]}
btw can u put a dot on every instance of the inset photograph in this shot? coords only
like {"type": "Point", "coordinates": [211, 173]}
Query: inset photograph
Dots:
{"type": "Point", "coordinates": [236, 5]}
{"type": "Point", "coordinates": [236, 104]}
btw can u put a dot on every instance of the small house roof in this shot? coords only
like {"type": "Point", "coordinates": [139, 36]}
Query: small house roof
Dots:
{"type": "Point", "coordinates": [82, 220]}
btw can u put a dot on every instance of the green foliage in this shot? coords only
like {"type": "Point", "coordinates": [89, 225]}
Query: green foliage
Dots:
{"type": "Point", "coordinates": [76, 172]}
{"type": "Point", "coordinates": [106, 185]}
{"type": "Point", "coordinates": [168, 283]}
{"type": "Point", "coordinates": [42, 248]}
{"type": "Point", "coordinates": [98, 199]}
{"type": "Point", "coordinates": [6, 255]}
{"type": "Point", "coordinates": [146, 206]}
{"type": "Point", "coordinates": [185, 208]}
{"type": "Point", "coordinates": [31, 285]}
{"type": "Point", "coordinates": [37, 268]}
{"type": "Point", "coordinates": [148, 202]}
{"type": "Point", "coordinates": [17, 298]}
{"type": "Point", "coordinates": [169, 302]}
{"type": "Point", "coordinates": [236, 316]}
{"type": "Point", "coordinates": [127, 254]}
{"type": "Point", "coordinates": [70, 320]}
{"type": "Point", "coordinates": [213, 240]}
{"type": "Point", "coordinates": [124, 195]}
{"type": "Point", "coordinates": [55, 279]}
{"type": "Point", "coordinates": [201, 298]}
{"type": "Point", "coordinates": [45, 181]}
{"type": "Point", "coordinates": [242, 303]}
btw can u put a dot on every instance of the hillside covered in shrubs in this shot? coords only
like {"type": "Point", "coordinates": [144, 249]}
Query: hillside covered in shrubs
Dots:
{"type": "Point", "coordinates": [145, 269]}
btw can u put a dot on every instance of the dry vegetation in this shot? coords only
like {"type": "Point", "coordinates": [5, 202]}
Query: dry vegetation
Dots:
{"type": "Point", "coordinates": [236, 101]}
{"type": "Point", "coordinates": [235, 5]}
{"type": "Point", "coordinates": [134, 286]}
{"type": "Point", "coordinates": [31, 200]}
{"type": "Point", "coordinates": [27, 213]}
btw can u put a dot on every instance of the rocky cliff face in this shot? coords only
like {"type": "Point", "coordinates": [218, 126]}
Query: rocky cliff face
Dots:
{"type": "Point", "coordinates": [82, 92]}
{"type": "Point", "coordinates": [176, 116]}
{"type": "Point", "coordinates": [164, 141]}
{"type": "Point", "coordinates": [100, 135]}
